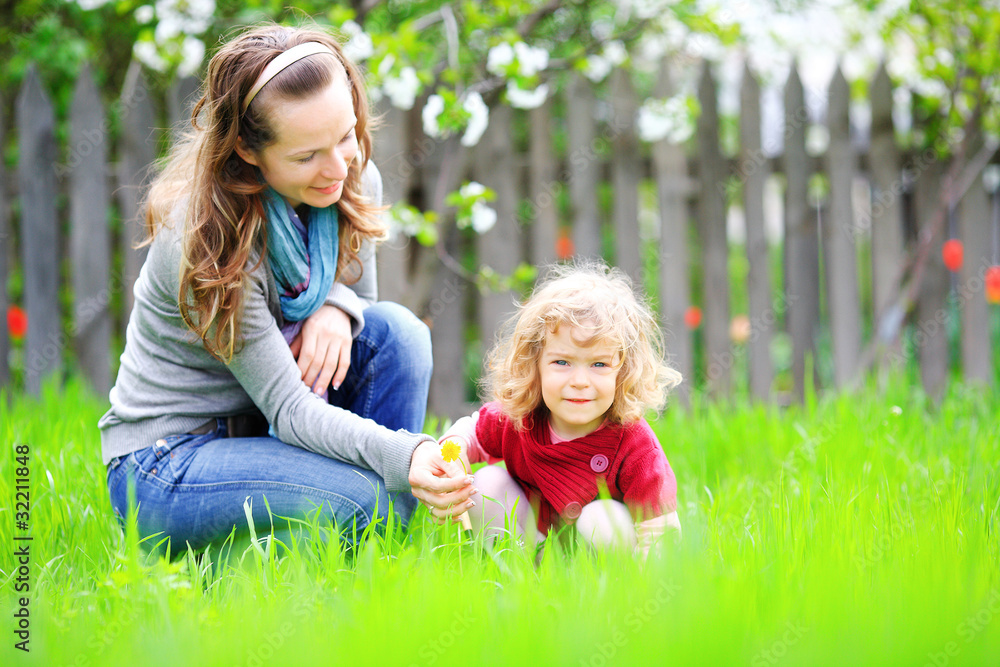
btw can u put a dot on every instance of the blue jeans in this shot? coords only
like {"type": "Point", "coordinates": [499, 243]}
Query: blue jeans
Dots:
{"type": "Point", "coordinates": [191, 488]}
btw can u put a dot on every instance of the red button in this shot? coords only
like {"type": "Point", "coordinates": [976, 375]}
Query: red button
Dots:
{"type": "Point", "coordinates": [599, 463]}
{"type": "Point", "coordinates": [572, 511]}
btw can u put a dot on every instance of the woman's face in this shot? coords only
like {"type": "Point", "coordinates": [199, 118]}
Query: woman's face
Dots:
{"type": "Point", "coordinates": [315, 144]}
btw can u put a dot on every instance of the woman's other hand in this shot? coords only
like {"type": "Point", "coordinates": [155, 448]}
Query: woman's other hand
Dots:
{"type": "Point", "coordinates": [442, 487]}
{"type": "Point", "coordinates": [323, 348]}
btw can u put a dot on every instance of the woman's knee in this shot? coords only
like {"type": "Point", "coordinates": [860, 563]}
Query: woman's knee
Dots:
{"type": "Point", "coordinates": [395, 326]}
{"type": "Point", "coordinates": [391, 321]}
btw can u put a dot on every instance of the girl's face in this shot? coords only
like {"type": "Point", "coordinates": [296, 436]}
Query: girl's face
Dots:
{"type": "Point", "coordinates": [578, 380]}
{"type": "Point", "coordinates": [315, 145]}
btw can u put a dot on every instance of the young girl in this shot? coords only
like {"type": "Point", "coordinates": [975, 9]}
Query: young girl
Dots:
{"type": "Point", "coordinates": [578, 366]}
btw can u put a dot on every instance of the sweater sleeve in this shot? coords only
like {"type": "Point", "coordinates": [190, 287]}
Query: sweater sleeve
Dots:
{"type": "Point", "coordinates": [646, 480]}
{"type": "Point", "coordinates": [264, 366]}
{"type": "Point", "coordinates": [465, 430]}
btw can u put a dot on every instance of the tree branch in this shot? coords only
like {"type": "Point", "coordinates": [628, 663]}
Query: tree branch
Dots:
{"type": "Point", "coordinates": [534, 19]}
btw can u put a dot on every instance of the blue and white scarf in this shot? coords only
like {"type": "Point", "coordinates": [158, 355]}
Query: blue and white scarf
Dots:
{"type": "Point", "coordinates": [303, 259]}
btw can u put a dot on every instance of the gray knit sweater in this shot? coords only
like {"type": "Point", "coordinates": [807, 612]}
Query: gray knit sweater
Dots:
{"type": "Point", "coordinates": [169, 384]}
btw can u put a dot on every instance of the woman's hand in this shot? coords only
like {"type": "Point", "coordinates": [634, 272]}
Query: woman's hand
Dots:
{"type": "Point", "coordinates": [442, 486]}
{"type": "Point", "coordinates": [323, 348]}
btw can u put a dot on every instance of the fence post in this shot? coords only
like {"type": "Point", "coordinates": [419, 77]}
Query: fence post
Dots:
{"type": "Point", "coordinates": [801, 239]}
{"type": "Point", "coordinates": [39, 232]}
{"type": "Point", "coordinates": [137, 153]}
{"type": "Point", "coordinates": [753, 170]}
{"type": "Point", "coordinates": [500, 247]}
{"type": "Point", "coordinates": [446, 310]}
{"type": "Point", "coordinates": [931, 334]}
{"type": "Point", "coordinates": [544, 187]}
{"type": "Point", "coordinates": [672, 188]}
{"type": "Point", "coordinates": [181, 98]}
{"type": "Point", "coordinates": [625, 175]}
{"type": "Point", "coordinates": [974, 231]}
{"type": "Point", "coordinates": [840, 266]}
{"type": "Point", "coordinates": [90, 237]}
{"type": "Point", "coordinates": [712, 175]}
{"type": "Point", "coordinates": [390, 155]}
{"type": "Point", "coordinates": [888, 254]}
{"type": "Point", "coordinates": [583, 167]}
{"type": "Point", "coordinates": [6, 242]}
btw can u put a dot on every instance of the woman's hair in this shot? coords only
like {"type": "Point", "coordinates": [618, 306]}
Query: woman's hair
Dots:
{"type": "Point", "coordinates": [599, 301]}
{"type": "Point", "coordinates": [226, 221]}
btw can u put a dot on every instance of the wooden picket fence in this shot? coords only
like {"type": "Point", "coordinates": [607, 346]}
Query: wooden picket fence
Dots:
{"type": "Point", "coordinates": [879, 193]}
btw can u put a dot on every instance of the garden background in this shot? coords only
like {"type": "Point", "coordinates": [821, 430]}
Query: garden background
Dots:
{"type": "Point", "coordinates": [805, 190]}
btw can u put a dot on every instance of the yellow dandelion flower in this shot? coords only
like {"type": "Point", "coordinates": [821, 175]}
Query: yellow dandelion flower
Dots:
{"type": "Point", "coordinates": [450, 450]}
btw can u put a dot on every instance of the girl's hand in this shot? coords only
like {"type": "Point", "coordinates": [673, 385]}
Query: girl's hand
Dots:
{"type": "Point", "coordinates": [649, 533]}
{"type": "Point", "coordinates": [323, 348]}
{"type": "Point", "coordinates": [443, 487]}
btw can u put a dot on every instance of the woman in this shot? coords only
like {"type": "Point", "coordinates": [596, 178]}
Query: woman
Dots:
{"type": "Point", "coordinates": [257, 362]}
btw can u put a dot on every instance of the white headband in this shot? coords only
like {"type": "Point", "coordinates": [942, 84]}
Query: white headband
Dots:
{"type": "Point", "coordinates": [280, 62]}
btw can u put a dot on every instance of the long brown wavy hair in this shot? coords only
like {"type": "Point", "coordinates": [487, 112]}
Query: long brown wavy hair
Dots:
{"type": "Point", "coordinates": [225, 226]}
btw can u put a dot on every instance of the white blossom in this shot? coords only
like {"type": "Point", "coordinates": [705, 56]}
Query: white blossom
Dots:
{"type": "Point", "coordinates": [200, 9]}
{"type": "Point", "coordinates": [351, 28]}
{"type": "Point", "coordinates": [144, 14]}
{"type": "Point", "coordinates": [530, 59]}
{"type": "Point", "coordinates": [480, 118]}
{"type": "Point", "coordinates": [648, 55]}
{"type": "Point", "coordinates": [87, 5]}
{"type": "Point", "coordinates": [147, 53]}
{"type": "Point", "coordinates": [930, 88]}
{"type": "Point", "coordinates": [402, 90]}
{"type": "Point", "coordinates": [168, 27]}
{"type": "Point", "coordinates": [483, 217]}
{"type": "Point", "coordinates": [429, 115]}
{"type": "Point", "coordinates": [602, 28]}
{"type": "Point", "coordinates": [991, 178]}
{"type": "Point", "coordinates": [359, 47]}
{"type": "Point", "coordinates": [648, 9]}
{"type": "Point", "coordinates": [817, 139]}
{"type": "Point", "coordinates": [498, 58]}
{"type": "Point", "coordinates": [526, 99]}
{"type": "Point", "coordinates": [597, 68]}
{"type": "Point", "coordinates": [704, 46]}
{"type": "Point", "coordinates": [472, 189]}
{"type": "Point", "coordinates": [192, 53]}
{"type": "Point", "coordinates": [190, 17]}
{"type": "Point", "coordinates": [385, 66]}
{"type": "Point", "coordinates": [615, 52]}
{"type": "Point", "coordinates": [403, 220]}
{"type": "Point", "coordinates": [668, 119]}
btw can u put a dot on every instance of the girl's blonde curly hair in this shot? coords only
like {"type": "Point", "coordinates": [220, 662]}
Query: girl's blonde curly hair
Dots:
{"type": "Point", "coordinates": [600, 301]}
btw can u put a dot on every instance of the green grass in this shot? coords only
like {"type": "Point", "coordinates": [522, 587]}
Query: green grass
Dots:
{"type": "Point", "coordinates": [853, 530]}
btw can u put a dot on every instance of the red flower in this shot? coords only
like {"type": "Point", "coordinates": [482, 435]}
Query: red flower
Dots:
{"type": "Point", "coordinates": [564, 246]}
{"type": "Point", "coordinates": [952, 253]}
{"type": "Point", "coordinates": [993, 284]}
{"type": "Point", "coordinates": [17, 322]}
{"type": "Point", "coordinates": [692, 317]}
